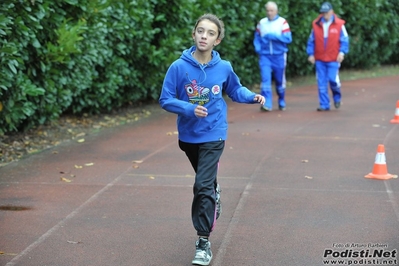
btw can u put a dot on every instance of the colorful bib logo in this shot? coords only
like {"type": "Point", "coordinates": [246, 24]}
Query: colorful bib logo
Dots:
{"type": "Point", "coordinates": [197, 94]}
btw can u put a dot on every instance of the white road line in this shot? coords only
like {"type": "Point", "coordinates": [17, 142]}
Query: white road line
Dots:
{"type": "Point", "coordinates": [235, 218]}
{"type": "Point", "coordinates": [46, 235]}
{"type": "Point", "coordinates": [392, 199]}
{"type": "Point", "coordinates": [218, 261]}
{"type": "Point", "coordinates": [62, 222]}
{"type": "Point", "coordinates": [388, 188]}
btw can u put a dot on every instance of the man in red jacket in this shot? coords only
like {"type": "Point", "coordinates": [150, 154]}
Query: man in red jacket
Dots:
{"type": "Point", "coordinates": [327, 45]}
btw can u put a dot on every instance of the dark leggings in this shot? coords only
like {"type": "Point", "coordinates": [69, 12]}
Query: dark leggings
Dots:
{"type": "Point", "coordinates": [204, 158]}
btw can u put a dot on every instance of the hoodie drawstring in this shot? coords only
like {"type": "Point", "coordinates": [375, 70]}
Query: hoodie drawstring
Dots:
{"type": "Point", "coordinates": [202, 67]}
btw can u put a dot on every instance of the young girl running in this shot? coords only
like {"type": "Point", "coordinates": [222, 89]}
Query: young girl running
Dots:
{"type": "Point", "coordinates": [193, 89]}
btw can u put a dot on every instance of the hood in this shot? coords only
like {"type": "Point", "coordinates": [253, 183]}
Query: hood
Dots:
{"type": "Point", "coordinates": [187, 56]}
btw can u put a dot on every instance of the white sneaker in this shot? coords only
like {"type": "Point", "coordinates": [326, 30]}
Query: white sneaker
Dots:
{"type": "Point", "coordinates": [203, 253]}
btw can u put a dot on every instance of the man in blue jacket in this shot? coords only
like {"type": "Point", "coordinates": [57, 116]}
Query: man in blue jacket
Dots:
{"type": "Point", "coordinates": [271, 38]}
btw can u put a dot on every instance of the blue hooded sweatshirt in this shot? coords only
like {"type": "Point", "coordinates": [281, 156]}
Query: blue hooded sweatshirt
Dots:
{"type": "Point", "coordinates": [188, 83]}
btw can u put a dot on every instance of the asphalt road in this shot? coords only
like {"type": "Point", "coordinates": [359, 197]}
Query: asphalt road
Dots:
{"type": "Point", "coordinates": [293, 190]}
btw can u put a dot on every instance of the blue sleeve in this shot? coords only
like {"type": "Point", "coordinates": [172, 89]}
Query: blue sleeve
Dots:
{"type": "Point", "coordinates": [169, 99]}
{"type": "Point", "coordinates": [310, 45]}
{"type": "Point", "coordinates": [257, 42]}
{"type": "Point", "coordinates": [344, 41]}
{"type": "Point", "coordinates": [236, 91]}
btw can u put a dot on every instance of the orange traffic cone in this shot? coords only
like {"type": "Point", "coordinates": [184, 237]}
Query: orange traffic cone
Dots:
{"type": "Point", "coordinates": [395, 120]}
{"type": "Point", "coordinates": [380, 170]}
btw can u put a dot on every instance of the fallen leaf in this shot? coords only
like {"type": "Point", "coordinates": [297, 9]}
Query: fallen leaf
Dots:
{"type": "Point", "coordinates": [89, 164]}
{"type": "Point", "coordinates": [32, 151]}
{"type": "Point", "coordinates": [138, 161]}
{"type": "Point", "coordinates": [7, 254]}
{"type": "Point", "coordinates": [135, 166]}
{"type": "Point", "coordinates": [78, 166]}
{"type": "Point", "coordinates": [305, 161]}
{"type": "Point", "coordinates": [169, 133]}
{"type": "Point", "coordinates": [74, 242]}
{"type": "Point", "coordinates": [65, 179]}
{"type": "Point", "coordinates": [81, 140]}
{"type": "Point", "coordinates": [80, 135]}
{"type": "Point", "coordinates": [308, 177]}
{"type": "Point", "coordinates": [151, 177]}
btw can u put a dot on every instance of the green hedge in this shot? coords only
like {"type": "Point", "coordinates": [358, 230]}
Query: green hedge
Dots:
{"type": "Point", "coordinates": [94, 56]}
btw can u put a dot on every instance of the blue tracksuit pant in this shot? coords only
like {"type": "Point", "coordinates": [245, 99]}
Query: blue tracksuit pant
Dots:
{"type": "Point", "coordinates": [327, 74]}
{"type": "Point", "coordinates": [273, 64]}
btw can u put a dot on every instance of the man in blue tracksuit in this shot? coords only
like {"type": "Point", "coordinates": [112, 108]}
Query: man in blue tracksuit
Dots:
{"type": "Point", "coordinates": [271, 38]}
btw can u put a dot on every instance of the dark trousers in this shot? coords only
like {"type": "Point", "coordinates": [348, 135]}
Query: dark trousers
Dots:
{"type": "Point", "coordinates": [204, 158]}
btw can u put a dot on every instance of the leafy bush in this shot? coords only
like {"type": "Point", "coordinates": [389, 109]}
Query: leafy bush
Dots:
{"type": "Point", "coordinates": [94, 56]}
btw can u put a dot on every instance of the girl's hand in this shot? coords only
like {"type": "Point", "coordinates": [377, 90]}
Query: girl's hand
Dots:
{"type": "Point", "coordinates": [200, 111]}
{"type": "Point", "coordinates": [260, 99]}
